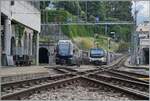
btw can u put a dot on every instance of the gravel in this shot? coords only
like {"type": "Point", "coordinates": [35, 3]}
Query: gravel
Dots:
{"type": "Point", "coordinates": [74, 92]}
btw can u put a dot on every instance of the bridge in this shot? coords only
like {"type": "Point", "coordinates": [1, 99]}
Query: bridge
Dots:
{"type": "Point", "coordinates": [92, 23]}
{"type": "Point", "coordinates": [94, 0]}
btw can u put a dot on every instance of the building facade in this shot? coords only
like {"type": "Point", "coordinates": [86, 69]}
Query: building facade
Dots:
{"type": "Point", "coordinates": [143, 43]}
{"type": "Point", "coordinates": [20, 28]}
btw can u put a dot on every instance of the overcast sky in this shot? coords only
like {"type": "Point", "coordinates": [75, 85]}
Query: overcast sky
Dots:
{"type": "Point", "coordinates": [143, 8]}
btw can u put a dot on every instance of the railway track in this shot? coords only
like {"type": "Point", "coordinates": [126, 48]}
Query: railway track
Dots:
{"type": "Point", "coordinates": [126, 76]}
{"type": "Point", "coordinates": [65, 70]}
{"type": "Point", "coordinates": [76, 72]}
{"type": "Point", "coordinates": [112, 80]}
{"type": "Point", "coordinates": [85, 81]}
{"type": "Point", "coordinates": [134, 85]}
{"type": "Point", "coordinates": [140, 95]}
{"type": "Point", "coordinates": [133, 74]}
{"type": "Point", "coordinates": [121, 75]}
{"type": "Point", "coordinates": [12, 87]}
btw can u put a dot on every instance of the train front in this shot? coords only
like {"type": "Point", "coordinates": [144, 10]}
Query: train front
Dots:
{"type": "Point", "coordinates": [97, 56]}
{"type": "Point", "coordinates": [64, 52]}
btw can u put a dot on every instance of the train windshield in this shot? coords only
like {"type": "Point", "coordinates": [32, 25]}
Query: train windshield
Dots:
{"type": "Point", "coordinates": [64, 49]}
{"type": "Point", "coordinates": [97, 53]}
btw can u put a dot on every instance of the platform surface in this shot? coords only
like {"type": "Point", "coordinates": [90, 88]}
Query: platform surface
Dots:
{"type": "Point", "coordinates": [12, 71]}
{"type": "Point", "coordinates": [136, 66]}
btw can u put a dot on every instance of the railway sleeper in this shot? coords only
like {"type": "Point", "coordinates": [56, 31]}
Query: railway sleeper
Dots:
{"type": "Point", "coordinates": [69, 81]}
{"type": "Point", "coordinates": [141, 95]}
{"type": "Point", "coordinates": [127, 83]}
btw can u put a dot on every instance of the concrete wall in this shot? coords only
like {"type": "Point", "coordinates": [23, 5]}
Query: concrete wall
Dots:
{"type": "Point", "coordinates": [144, 42]}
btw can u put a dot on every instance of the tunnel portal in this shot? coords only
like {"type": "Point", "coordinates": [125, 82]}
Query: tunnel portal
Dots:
{"type": "Point", "coordinates": [43, 56]}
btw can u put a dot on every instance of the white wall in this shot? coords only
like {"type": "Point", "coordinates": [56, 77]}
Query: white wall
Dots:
{"type": "Point", "coordinates": [23, 13]}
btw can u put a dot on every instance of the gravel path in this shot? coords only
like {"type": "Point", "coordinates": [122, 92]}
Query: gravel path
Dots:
{"type": "Point", "coordinates": [74, 92]}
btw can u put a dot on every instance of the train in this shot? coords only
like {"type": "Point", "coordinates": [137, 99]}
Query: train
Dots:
{"type": "Point", "coordinates": [97, 56]}
{"type": "Point", "coordinates": [66, 53]}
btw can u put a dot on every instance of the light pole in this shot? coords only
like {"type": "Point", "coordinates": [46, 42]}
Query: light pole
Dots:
{"type": "Point", "coordinates": [109, 40]}
{"type": "Point", "coordinates": [95, 44]}
{"type": "Point", "coordinates": [106, 29]}
{"type": "Point", "coordinates": [134, 38]}
{"type": "Point", "coordinates": [86, 11]}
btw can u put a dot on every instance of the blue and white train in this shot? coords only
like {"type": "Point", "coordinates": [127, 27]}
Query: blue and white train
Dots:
{"type": "Point", "coordinates": [97, 56]}
{"type": "Point", "coordinates": [65, 53]}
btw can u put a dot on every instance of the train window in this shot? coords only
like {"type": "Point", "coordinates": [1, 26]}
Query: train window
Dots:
{"type": "Point", "coordinates": [64, 48]}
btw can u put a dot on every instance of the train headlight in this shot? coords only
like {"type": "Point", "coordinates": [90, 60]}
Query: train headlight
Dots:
{"type": "Point", "coordinates": [103, 59]}
{"type": "Point", "coordinates": [90, 59]}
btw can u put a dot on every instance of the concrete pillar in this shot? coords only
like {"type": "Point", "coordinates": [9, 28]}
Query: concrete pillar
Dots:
{"type": "Point", "coordinates": [106, 30]}
{"type": "Point", "coordinates": [0, 36]}
{"type": "Point", "coordinates": [30, 44]}
{"type": "Point", "coordinates": [37, 49]}
{"type": "Point", "coordinates": [149, 34]}
{"type": "Point", "coordinates": [25, 43]}
{"type": "Point", "coordinates": [7, 32]}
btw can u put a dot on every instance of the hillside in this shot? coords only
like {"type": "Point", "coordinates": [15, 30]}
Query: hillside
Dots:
{"type": "Point", "coordinates": [88, 42]}
{"type": "Point", "coordinates": [83, 35]}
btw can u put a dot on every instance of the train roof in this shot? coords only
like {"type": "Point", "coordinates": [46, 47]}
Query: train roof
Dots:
{"type": "Point", "coordinates": [64, 41]}
{"type": "Point", "coordinates": [97, 48]}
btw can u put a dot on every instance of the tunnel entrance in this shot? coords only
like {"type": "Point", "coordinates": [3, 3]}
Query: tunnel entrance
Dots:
{"type": "Point", "coordinates": [146, 55]}
{"type": "Point", "coordinates": [43, 56]}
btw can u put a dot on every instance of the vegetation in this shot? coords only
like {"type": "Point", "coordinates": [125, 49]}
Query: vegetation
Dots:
{"type": "Point", "coordinates": [19, 30]}
{"type": "Point", "coordinates": [89, 11]}
{"type": "Point", "coordinates": [102, 42]}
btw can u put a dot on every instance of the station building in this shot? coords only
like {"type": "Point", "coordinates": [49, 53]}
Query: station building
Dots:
{"type": "Point", "coordinates": [143, 43]}
{"type": "Point", "coordinates": [20, 28]}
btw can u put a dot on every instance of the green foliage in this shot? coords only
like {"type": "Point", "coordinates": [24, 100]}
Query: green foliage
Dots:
{"type": "Point", "coordinates": [71, 7]}
{"type": "Point", "coordinates": [19, 30]}
{"type": "Point", "coordinates": [88, 42]}
{"type": "Point", "coordinates": [56, 15]}
{"type": "Point", "coordinates": [77, 30]}
{"type": "Point", "coordinates": [106, 11]}
{"type": "Point", "coordinates": [123, 31]}
{"type": "Point", "coordinates": [102, 42]}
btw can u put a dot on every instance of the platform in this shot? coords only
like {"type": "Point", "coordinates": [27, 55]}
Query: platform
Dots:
{"type": "Point", "coordinates": [136, 66]}
{"type": "Point", "coordinates": [11, 71]}
{"type": "Point", "coordinates": [10, 74]}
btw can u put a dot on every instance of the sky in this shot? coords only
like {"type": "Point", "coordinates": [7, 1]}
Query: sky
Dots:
{"type": "Point", "coordinates": [143, 8]}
